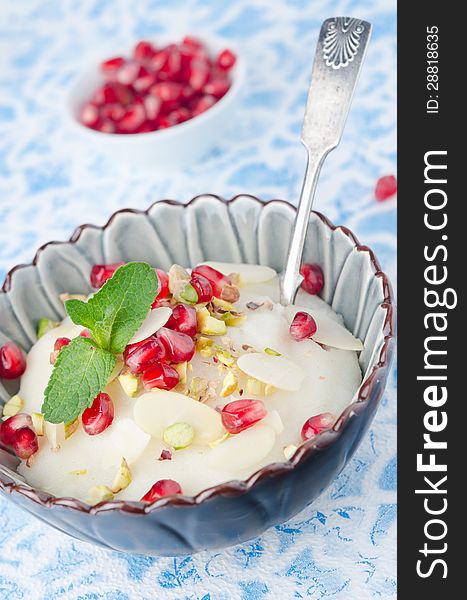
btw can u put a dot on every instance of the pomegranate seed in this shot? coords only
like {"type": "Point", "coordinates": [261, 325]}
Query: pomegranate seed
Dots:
{"type": "Point", "coordinates": [203, 287]}
{"type": "Point", "coordinates": [106, 126]}
{"type": "Point", "coordinates": [60, 343]}
{"type": "Point", "coordinates": [100, 273]}
{"type": "Point", "coordinates": [12, 361]}
{"type": "Point", "coordinates": [241, 414]}
{"type": "Point", "coordinates": [164, 123]}
{"type": "Point", "coordinates": [152, 106]}
{"type": "Point", "coordinates": [183, 319]}
{"type": "Point", "coordinates": [133, 118]}
{"type": "Point", "coordinates": [215, 278]}
{"type": "Point", "coordinates": [139, 357]}
{"type": "Point", "coordinates": [217, 88]}
{"type": "Point", "coordinates": [192, 42]}
{"type": "Point", "coordinates": [113, 93]}
{"type": "Point", "coordinates": [198, 73]}
{"type": "Point", "coordinates": [203, 104]}
{"type": "Point", "coordinates": [128, 73]}
{"type": "Point", "coordinates": [89, 115]}
{"type": "Point", "coordinates": [313, 278]}
{"type": "Point", "coordinates": [159, 60]}
{"type": "Point", "coordinates": [144, 80]}
{"type": "Point", "coordinates": [165, 455]}
{"type": "Point", "coordinates": [385, 187]}
{"type": "Point", "coordinates": [25, 443]}
{"type": "Point", "coordinates": [317, 424]}
{"type": "Point", "coordinates": [226, 59]}
{"type": "Point", "coordinates": [85, 333]}
{"type": "Point", "coordinates": [162, 287]}
{"type": "Point", "coordinates": [171, 67]}
{"type": "Point", "coordinates": [163, 487]}
{"type": "Point", "coordinates": [112, 112]}
{"type": "Point", "coordinates": [143, 51]}
{"type": "Point", "coordinates": [179, 346]}
{"type": "Point", "coordinates": [100, 416]}
{"type": "Point", "coordinates": [167, 91]}
{"type": "Point", "coordinates": [160, 376]}
{"type": "Point", "coordinates": [302, 327]}
{"type": "Point", "coordinates": [179, 115]}
{"type": "Point", "coordinates": [112, 65]}
{"type": "Point", "coordinates": [11, 425]}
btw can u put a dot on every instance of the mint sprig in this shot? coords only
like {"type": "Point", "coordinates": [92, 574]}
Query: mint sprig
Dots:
{"type": "Point", "coordinates": [113, 315]}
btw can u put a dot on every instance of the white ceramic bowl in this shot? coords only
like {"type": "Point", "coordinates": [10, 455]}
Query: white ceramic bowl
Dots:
{"type": "Point", "coordinates": [176, 146]}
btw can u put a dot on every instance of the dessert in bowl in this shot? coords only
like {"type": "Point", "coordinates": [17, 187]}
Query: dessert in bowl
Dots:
{"type": "Point", "coordinates": [196, 476]}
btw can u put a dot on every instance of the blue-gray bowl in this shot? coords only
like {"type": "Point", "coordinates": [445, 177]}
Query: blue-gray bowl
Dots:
{"type": "Point", "coordinates": [208, 228]}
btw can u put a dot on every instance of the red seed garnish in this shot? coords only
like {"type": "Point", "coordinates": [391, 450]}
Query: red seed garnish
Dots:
{"type": "Point", "coordinates": [183, 319]}
{"type": "Point", "coordinates": [163, 487]}
{"type": "Point", "coordinates": [11, 425]}
{"type": "Point", "coordinates": [12, 361]}
{"type": "Point", "coordinates": [162, 287]}
{"type": "Point", "coordinates": [25, 443]}
{"type": "Point", "coordinates": [302, 327]}
{"type": "Point", "coordinates": [179, 346]}
{"type": "Point", "coordinates": [216, 88]}
{"type": "Point", "coordinates": [226, 59]}
{"type": "Point", "coordinates": [112, 65]}
{"type": "Point", "coordinates": [100, 416]}
{"type": "Point", "coordinates": [139, 357]}
{"type": "Point", "coordinates": [160, 376]}
{"type": "Point", "coordinates": [313, 278]}
{"type": "Point", "coordinates": [385, 187]}
{"type": "Point", "coordinates": [317, 424]}
{"type": "Point", "coordinates": [202, 286]}
{"type": "Point", "coordinates": [60, 343]}
{"type": "Point", "coordinates": [192, 42]}
{"type": "Point", "coordinates": [85, 333]}
{"type": "Point", "coordinates": [165, 455]}
{"type": "Point", "coordinates": [100, 273]}
{"type": "Point", "coordinates": [133, 118]}
{"type": "Point", "coordinates": [241, 414]}
{"type": "Point", "coordinates": [89, 115]}
{"type": "Point", "coordinates": [203, 104]}
{"type": "Point", "coordinates": [215, 278]}
{"type": "Point", "coordinates": [143, 51]}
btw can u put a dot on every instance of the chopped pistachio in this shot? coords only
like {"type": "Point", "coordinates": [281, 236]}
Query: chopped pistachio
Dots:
{"type": "Point", "coordinates": [233, 319]}
{"type": "Point", "coordinates": [289, 451]}
{"type": "Point", "coordinates": [254, 386]}
{"type": "Point", "coordinates": [229, 385]}
{"type": "Point", "coordinates": [225, 358]}
{"type": "Point", "coordinates": [65, 296]}
{"type": "Point", "coordinates": [178, 278]}
{"type": "Point", "coordinates": [222, 304]}
{"type": "Point", "coordinates": [79, 472]}
{"type": "Point", "coordinates": [13, 406]}
{"type": "Point", "coordinates": [38, 423]}
{"type": "Point", "coordinates": [272, 352]}
{"type": "Point", "coordinates": [179, 435]}
{"type": "Point", "coordinates": [204, 347]}
{"type": "Point", "coordinates": [269, 389]}
{"type": "Point", "coordinates": [129, 383]}
{"type": "Point", "coordinates": [219, 440]}
{"type": "Point", "coordinates": [230, 293]}
{"type": "Point", "coordinates": [70, 428]}
{"type": "Point", "coordinates": [198, 386]}
{"type": "Point", "coordinates": [44, 325]}
{"type": "Point", "coordinates": [181, 369]}
{"type": "Point", "coordinates": [123, 478]}
{"type": "Point", "coordinates": [189, 294]}
{"type": "Point", "coordinates": [208, 325]}
{"type": "Point", "coordinates": [99, 493]}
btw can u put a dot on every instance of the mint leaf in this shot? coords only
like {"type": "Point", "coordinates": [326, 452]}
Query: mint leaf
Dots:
{"type": "Point", "coordinates": [115, 313]}
{"type": "Point", "coordinates": [80, 373]}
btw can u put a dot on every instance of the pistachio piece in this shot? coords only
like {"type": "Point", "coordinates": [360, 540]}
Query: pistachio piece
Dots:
{"type": "Point", "coordinates": [272, 352]}
{"type": "Point", "coordinates": [179, 435]}
{"type": "Point", "coordinates": [79, 472]}
{"type": "Point", "coordinates": [70, 428]}
{"type": "Point", "coordinates": [229, 385]}
{"type": "Point", "coordinates": [189, 294]}
{"type": "Point", "coordinates": [38, 423]}
{"type": "Point", "coordinates": [204, 347]}
{"type": "Point", "coordinates": [99, 493]}
{"type": "Point", "coordinates": [208, 325]}
{"type": "Point", "coordinates": [197, 388]}
{"type": "Point", "coordinates": [224, 357]}
{"type": "Point", "coordinates": [13, 406]}
{"type": "Point", "coordinates": [218, 303]}
{"type": "Point", "coordinates": [178, 278]}
{"type": "Point", "coordinates": [123, 478]}
{"type": "Point", "coordinates": [44, 325]}
{"type": "Point", "coordinates": [181, 369]}
{"type": "Point", "coordinates": [230, 293]}
{"type": "Point", "coordinates": [130, 384]}
{"type": "Point", "coordinates": [233, 319]}
{"type": "Point", "coordinates": [289, 451]}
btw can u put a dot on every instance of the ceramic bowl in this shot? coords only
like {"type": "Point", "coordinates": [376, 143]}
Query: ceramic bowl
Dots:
{"type": "Point", "coordinates": [208, 228]}
{"type": "Point", "coordinates": [176, 146]}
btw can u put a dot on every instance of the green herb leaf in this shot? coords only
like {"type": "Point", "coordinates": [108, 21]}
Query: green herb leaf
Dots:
{"type": "Point", "coordinates": [81, 372]}
{"type": "Point", "coordinates": [115, 313]}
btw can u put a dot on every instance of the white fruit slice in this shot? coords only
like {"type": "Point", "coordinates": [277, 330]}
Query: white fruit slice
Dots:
{"type": "Point", "coordinates": [155, 411]}
{"type": "Point", "coordinates": [273, 419]}
{"type": "Point", "coordinates": [328, 331]}
{"type": "Point", "coordinates": [156, 319]}
{"type": "Point", "coordinates": [248, 273]}
{"type": "Point", "coordinates": [244, 449]}
{"type": "Point", "coordinates": [278, 371]}
{"type": "Point", "coordinates": [128, 439]}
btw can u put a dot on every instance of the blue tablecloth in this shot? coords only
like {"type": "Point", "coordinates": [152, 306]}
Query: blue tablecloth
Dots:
{"type": "Point", "coordinates": [342, 547]}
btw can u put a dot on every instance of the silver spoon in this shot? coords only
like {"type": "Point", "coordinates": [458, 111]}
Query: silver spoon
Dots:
{"type": "Point", "coordinates": [338, 60]}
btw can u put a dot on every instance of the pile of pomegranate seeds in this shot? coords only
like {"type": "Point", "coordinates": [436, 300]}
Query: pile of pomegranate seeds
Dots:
{"type": "Point", "coordinates": [17, 432]}
{"type": "Point", "coordinates": [163, 487]}
{"type": "Point", "coordinates": [386, 187]}
{"type": "Point", "coordinates": [158, 87]}
{"type": "Point", "coordinates": [12, 361]}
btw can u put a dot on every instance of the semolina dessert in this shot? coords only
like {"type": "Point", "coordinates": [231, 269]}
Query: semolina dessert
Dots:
{"type": "Point", "coordinates": [164, 383]}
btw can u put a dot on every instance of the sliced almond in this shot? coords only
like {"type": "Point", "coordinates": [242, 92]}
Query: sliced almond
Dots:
{"type": "Point", "coordinates": [156, 319]}
{"type": "Point", "coordinates": [273, 419]}
{"type": "Point", "coordinates": [248, 273]}
{"type": "Point", "coordinates": [128, 439]}
{"type": "Point", "coordinates": [278, 371]}
{"type": "Point", "coordinates": [328, 332]}
{"type": "Point", "coordinates": [243, 450]}
{"type": "Point", "coordinates": [155, 412]}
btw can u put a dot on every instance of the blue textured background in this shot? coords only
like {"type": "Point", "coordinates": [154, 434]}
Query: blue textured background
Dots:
{"type": "Point", "coordinates": [343, 547]}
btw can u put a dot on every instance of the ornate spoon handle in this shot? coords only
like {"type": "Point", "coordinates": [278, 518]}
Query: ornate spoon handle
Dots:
{"type": "Point", "coordinates": [339, 56]}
